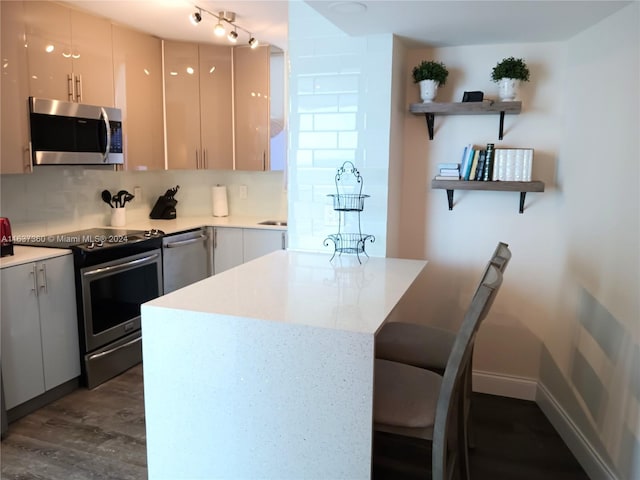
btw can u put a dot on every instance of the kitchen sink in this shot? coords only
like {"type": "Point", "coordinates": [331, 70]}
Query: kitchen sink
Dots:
{"type": "Point", "coordinates": [278, 223]}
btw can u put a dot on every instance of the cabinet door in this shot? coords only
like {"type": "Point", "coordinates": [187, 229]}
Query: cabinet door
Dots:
{"type": "Point", "coordinates": [227, 248]}
{"type": "Point", "coordinates": [137, 67]}
{"type": "Point", "coordinates": [49, 50]}
{"type": "Point", "coordinates": [216, 117]}
{"type": "Point", "coordinates": [22, 371]}
{"type": "Point", "coordinates": [92, 57]}
{"type": "Point", "coordinates": [259, 242]}
{"type": "Point", "coordinates": [182, 105]}
{"type": "Point", "coordinates": [14, 133]}
{"type": "Point", "coordinates": [58, 320]}
{"type": "Point", "coordinates": [251, 105]}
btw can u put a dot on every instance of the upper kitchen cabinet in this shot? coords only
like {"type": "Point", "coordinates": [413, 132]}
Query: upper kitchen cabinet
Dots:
{"type": "Point", "coordinates": [14, 135]}
{"type": "Point", "coordinates": [69, 54]}
{"type": "Point", "coordinates": [137, 73]}
{"type": "Point", "coordinates": [198, 106]}
{"type": "Point", "coordinates": [251, 107]}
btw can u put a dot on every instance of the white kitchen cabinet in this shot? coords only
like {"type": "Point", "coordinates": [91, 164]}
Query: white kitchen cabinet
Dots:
{"type": "Point", "coordinates": [258, 242]}
{"type": "Point", "coordinates": [14, 136]}
{"type": "Point", "coordinates": [227, 248]}
{"type": "Point", "coordinates": [69, 54]}
{"type": "Point", "coordinates": [39, 328]}
{"type": "Point", "coordinates": [235, 246]}
{"type": "Point", "coordinates": [198, 106]}
{"type": "Point", "coordinates": [137, 69]}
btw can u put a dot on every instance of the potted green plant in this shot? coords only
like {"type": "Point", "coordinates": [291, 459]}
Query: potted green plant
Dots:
{"type": "Point", "coordinates": [429, 75]}
{"type": "Point", "coordinates": [508, 73]}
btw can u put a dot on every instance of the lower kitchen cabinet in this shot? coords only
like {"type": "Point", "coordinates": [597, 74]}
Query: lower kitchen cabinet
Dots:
{"type": "Point", "coordinates": [234, 246]}
{"type": "Point", "coordinates": [258, 242]}
{"type": "Point", "coordinates": [39, 328]}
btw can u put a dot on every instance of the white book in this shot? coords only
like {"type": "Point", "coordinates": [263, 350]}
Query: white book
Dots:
{"type": "Point", "coordinates": [528, 164]}
{"type": "Point", "coordinates": [498, 164]}
{"type": "Point", "coordinates": [509, 174]}
{"type": "Point", "coordinates": [519, 165]}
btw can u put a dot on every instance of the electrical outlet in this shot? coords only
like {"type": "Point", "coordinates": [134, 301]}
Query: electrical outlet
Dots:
{"type": "Point", "coordinates": [244, 191]}
{"type": "Point", "coordinates": [137, 193]}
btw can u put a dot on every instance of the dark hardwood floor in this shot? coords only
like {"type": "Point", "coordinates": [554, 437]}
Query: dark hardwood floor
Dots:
{"type": "Point", "coordinates": [100, 434]}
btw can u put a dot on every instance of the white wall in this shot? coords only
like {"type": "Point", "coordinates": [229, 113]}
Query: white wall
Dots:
{"type": "Point", "coordinates": [591, 357]}
{"type": "Point", "coordinates": [340, 96]}
{"type": "Point", "coordinates": [60, 197]}
{"type": "Point", "coordinates": [458, 243]}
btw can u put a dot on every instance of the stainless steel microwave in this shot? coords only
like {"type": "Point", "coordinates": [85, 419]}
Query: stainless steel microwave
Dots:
{"type": "Point", "coordinates": [64, 133]}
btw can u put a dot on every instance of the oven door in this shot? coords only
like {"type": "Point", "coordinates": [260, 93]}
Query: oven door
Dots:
{"type": "Point", "coordinates": [112, 293]}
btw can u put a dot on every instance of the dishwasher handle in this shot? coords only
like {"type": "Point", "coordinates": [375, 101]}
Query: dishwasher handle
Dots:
{"type": "Point", "coordinates": [183, 243]}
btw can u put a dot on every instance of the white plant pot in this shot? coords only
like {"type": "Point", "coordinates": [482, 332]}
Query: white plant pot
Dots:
{"type": "Point", "coordinates": [508, 89]}
{"type": "Point", "coordinates": [428, 90]}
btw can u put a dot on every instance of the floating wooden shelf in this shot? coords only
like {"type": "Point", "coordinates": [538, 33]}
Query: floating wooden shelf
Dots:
{"type": "Point", "coordinates": [488, 107]}
{"type": "Point", "coordinates": [522, 187]}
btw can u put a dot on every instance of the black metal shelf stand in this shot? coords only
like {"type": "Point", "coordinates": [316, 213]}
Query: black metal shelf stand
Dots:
{"type": "Point", "coordinates": [348, 199]}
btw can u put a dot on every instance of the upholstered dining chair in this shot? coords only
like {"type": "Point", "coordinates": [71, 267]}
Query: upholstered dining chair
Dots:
{"type": "Point", "coordinates": [426, 346]}
{"type": "Point", "coordinates": [415, 402]}
{"type": "Point", "coordinates": [429, 347]}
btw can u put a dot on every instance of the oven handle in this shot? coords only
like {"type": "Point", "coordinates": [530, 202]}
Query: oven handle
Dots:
{"type": "Point", "coordinates": [122, 266]}
{"type": "Point", "coordinates": [183, 243]}
{"type": "Point", "coordinates": [119, 347]}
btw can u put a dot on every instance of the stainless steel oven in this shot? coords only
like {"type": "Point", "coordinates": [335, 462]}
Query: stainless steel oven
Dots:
{"type": "Point", "coordinates": [116, 271]}
{"type": "Point", "coordinates": [111, 295]}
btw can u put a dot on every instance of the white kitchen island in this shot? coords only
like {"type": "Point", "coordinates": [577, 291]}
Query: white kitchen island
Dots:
{"type": "Point", "coordinates": [265, 371]}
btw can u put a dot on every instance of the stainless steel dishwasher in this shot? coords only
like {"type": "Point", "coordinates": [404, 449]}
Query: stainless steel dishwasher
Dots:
{"type": "Point", "coordinates": [187, 257]}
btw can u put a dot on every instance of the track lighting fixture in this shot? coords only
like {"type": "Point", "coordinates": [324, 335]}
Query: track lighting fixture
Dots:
{"type": "Point", "coordinates": [196, 17]}
{"type": "Point", "coordinates": [219, 28]}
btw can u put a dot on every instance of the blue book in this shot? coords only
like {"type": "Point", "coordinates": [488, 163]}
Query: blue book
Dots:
{"type": "Point", "coordinates": [469, 160]}
{"type": "Point", "coordinates": [465, 159]}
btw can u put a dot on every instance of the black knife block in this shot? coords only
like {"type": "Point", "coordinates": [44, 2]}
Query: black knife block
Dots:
{"type": "Point", "coordinates": [164, 209]}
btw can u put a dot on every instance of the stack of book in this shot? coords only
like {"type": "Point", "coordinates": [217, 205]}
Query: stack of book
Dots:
{"type": "Point", "coordinates": [448, 171]}
{"type": "Point", "coordinates": [489, 164]}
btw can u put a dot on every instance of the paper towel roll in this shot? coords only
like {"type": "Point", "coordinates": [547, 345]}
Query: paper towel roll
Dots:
{"type": "Point", "coordinates": [219, 201]}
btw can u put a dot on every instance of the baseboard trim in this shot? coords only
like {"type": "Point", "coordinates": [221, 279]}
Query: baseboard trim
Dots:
{"type": "Point", "coordinates": [505, 385]}
{"type": "Point", "coordinates": [591, 461]}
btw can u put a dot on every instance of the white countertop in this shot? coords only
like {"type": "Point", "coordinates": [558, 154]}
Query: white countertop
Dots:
{"type": "Point", "coordinates": [303, 288]}
{"type": "Point", "coordinates": [31, 254]}
{"type": "Point", "coordinates": [271, 360]}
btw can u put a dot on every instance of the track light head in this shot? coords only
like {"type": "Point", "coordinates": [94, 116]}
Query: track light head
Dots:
{"type": "Point", "coordinates": [196, 17]}
{"type": "Point", "coordinates": [218, 30]}
{"type": "Point", "coordinates": [233, 36]}
{"type": "Point", "coordinates": [253, 43]}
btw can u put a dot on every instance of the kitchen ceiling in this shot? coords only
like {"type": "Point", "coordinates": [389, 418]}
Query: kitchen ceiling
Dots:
{"type": "Point", "coordinates": [431, 22]}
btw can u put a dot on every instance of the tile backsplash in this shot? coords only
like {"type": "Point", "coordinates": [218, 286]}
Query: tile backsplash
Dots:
{"type": "Point", "coordinates": [66, 195]}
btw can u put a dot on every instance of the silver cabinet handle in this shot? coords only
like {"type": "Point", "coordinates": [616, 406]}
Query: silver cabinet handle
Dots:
{"type": "Point", "coordinates": [215, 238]}
{"type": "Point", "coordinates": [43, 269]}
{"type": "Point", "coordinates": [183, 243]}
{"type": "Point", "coordinates": [70, 90]}
{"type": "Point", "coordinates": [79, 88]}
{"type": "Point", "coordinates": [284, 246]}
{"type": "Point", "coordinates": [34, 272]}
{"type": "Point", "coordinates": [197, 160]}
